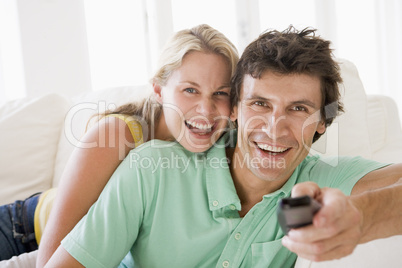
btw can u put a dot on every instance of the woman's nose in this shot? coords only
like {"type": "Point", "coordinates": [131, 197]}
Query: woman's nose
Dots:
{"type": "Point", "coordinates": [205, 106]}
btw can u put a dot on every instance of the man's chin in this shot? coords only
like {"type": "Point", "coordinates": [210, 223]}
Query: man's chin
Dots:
{"type": "Point", "coordinates": [269, 174]}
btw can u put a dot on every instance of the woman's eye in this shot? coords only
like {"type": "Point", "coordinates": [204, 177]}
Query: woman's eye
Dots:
{"type": "Point", "coordinates": [221, 93]}
{"type": "Point", "coordinates": [190, 90]}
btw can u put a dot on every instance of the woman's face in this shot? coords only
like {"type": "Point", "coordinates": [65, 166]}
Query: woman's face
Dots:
{"type": "Point", "coordinates": [196, 103]}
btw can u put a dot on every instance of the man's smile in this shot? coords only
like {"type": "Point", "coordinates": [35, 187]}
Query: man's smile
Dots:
{"type": "Point", "coordinates": [273, 150]}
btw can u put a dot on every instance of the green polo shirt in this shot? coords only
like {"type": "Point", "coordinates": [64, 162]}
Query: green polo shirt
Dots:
{"type": "Point", "coordinates": [172, 208]}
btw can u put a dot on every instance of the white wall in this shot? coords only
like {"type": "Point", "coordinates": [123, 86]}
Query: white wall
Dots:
{"type": "Point", "coordinates": [12, 80]}
{"type": "Point", "coordinates": [54, 46]}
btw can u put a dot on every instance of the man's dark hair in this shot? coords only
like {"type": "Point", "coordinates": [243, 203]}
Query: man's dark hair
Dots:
{"type": "Point", "coordinates": [293, 52]}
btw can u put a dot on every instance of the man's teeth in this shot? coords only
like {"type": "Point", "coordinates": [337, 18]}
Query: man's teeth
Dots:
{"type": "Point", "coordinates": [200, 126]}
{"type": "Point", "coordinates": [273, 149]}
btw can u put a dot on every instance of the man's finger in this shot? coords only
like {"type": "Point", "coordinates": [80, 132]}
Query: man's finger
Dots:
{"type": "Point", "coordinates": [336, 253]}
{"type": "Point", "coordinates": [306, 188]}
{"type": "Point", "coordinates": [334, 247]}
{"type": "Point", "coordinates": [334, 206]}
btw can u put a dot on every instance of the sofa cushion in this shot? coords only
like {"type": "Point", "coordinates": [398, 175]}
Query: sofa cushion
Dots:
{"type": "Point", "coordinates": [83, 107]}
{"type": "Point", "coordinates": [384, 129]}
{"type": "Point", "coordinates": [377, 125]}
{"type": "Point", "coordinates": [29, 134]}
{"type": "Point", "coordinates": [348, 135]}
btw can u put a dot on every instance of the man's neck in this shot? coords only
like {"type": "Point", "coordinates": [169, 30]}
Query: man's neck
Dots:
{"type": "Point", "coordinates": [249, 187]}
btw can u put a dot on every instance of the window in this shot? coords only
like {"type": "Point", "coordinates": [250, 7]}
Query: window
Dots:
{"type": "Point", "coordinates": [357, 41]}
{"type": "Point", "coordinates": [218, 14]}
{"type": "Point", "coordinates": [280, 14]}
{"type": "Point", "coordinates": [116, 43]}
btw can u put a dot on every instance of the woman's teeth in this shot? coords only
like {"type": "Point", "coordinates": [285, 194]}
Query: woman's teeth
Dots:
{"type": "Point", "coordinates": [200, 126]}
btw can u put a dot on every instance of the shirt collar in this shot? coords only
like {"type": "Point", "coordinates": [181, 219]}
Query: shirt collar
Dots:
{"type": "Point", "coordinates": [220, 188]}
{"type": "Point", "coordinates": [286, 189]}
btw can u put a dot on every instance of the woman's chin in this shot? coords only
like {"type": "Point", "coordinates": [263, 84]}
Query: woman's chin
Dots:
{"type": "Point", "coordinates": [197, 147]}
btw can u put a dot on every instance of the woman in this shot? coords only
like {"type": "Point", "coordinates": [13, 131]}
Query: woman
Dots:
{"type": "Point", "coordinates": [190, 105]}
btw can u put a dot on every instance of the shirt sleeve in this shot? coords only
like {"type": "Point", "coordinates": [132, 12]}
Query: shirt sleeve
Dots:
{"type": "Point", "coordinates": [341, 172]}
{"type": "Point", "coordinates": [105, 235]}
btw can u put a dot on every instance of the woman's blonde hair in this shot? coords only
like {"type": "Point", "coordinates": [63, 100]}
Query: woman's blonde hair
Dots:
{"type": "Point", "coordinates": [202, 38]}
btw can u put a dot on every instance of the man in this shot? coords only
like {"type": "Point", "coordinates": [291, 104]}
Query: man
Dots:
{"type": "Point", "coordinates": [288, 96]}
{"type": "Point", "coordinates": [172, 208]}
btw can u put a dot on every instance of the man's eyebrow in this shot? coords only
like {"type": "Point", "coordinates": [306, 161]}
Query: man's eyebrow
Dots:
{"type": "Point", "coordinates": [254, 97]}
{"type": "Point", "coordinates": [306, 102]}
{"type": "Point", "coordinates": [303, 101]}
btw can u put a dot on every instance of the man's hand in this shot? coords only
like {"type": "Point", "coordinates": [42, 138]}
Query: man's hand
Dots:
{"type": "Point", "coordinates": [336, 228]}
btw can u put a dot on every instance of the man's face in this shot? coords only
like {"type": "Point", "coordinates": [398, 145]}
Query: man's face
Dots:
{"type": "Point", "coordinates": [278, 116]}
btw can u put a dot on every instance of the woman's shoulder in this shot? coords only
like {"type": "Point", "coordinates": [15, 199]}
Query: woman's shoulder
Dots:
{"type": "Point", "coordinates": [131, 124]}
{"type": "Point", "coordinates": [109, 133]}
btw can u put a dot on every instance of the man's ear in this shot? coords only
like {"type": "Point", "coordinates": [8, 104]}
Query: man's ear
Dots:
{"type": "Point", "coordinates": [158, 93]}
{"type": "Point", "coordinates": [321, 127]}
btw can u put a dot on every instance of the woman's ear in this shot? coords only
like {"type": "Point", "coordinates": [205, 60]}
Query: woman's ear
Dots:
{"type": "Point", "coordinates": [158, 93]}
{"type": "Point", "coordinates": [233, 114]}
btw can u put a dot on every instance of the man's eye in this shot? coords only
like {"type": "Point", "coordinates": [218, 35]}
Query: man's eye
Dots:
{"type": "Point", "coordinates": [300, 108]}
{"type": "Point", "coordinates": [259, 103]}
{"type": "Point", "coordinates": [190, 90]}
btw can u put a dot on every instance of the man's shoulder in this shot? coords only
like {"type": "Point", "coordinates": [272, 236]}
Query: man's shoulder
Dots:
{"type": "Point", "coordinates": [316, 165]}
{"type": "Point", "coordinates": [334, 171]}
{"type": "Point", "coordinates": [335, 162]}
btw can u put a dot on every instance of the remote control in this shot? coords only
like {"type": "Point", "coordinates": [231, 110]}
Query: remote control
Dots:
{"type": "Point", "coordinates": [296, 212]}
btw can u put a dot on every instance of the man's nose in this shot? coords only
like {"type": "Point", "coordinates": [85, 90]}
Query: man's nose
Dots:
{"type": "Point", "coordinates": [276, 125]}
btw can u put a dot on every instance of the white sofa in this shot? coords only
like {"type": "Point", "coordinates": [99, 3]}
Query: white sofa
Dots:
{"type": "Point", "coordinates": [38, 135]}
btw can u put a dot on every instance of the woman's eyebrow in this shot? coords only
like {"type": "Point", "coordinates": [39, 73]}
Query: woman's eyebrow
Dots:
{"type": "Point", "coordinates": [197, 85]}
{"type": "Point", "coordinates": [224, 86]}
{"type": "Point", "coordinates": [190, 82]}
